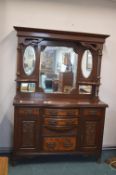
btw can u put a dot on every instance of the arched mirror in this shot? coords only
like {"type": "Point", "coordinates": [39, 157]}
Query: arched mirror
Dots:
{"type": "Point", "coordinates": [87, 63]}
{"type": "Point", "coordinates": [29, 60]}
{"type": "Point", "coordinates": [58, 69]}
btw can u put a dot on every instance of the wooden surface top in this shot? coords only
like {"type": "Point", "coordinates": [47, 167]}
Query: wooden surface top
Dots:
{"type": "Point", "coordinates": [58, 103]}
{"type": "Point", "coordinates": [3, 166]}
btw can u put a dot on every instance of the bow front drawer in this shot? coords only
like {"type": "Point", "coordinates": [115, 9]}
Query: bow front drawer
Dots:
{"type": "Point", "coordinates": [60, 122]}
{"type": "Point", "coordinates": [61, 112]}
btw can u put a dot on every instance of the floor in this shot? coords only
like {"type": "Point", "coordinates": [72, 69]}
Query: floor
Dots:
{"type": "Point", "coordinates": [3, 165]}
{"type": "Point", "coordinates": [64, 166]}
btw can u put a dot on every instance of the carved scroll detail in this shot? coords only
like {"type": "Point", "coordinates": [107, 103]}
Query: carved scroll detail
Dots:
{"type": "Point", "coordinates": [91, 46]}
{"type": "Point", "coordinates": [100, 52]}
{"type": "Point", "coordinates": [30, 41]}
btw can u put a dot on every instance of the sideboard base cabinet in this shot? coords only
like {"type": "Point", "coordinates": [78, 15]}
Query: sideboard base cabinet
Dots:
{"type": "Point", "coordinates": [58, 130]}
{"type": "Point", "coordinates": [57, 110]}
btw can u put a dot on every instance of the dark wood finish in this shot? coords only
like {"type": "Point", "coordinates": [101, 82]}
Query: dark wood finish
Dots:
{"type": "Point", "coordinates": [57, 131]}
{"type": "Point", "coordinates": [54, 144]}
{"type": "Point", "coordinates": [64, 76]}
{"type": "Point", "coordinates": [58, 123]}
{"type": "Point", "coordinates": [61, 35]}
{"type": "Point", "coordinates": [27, 127]}
{"type": "Point", "coordinates": [61, 112]}
{"type": "Point", "coordinates": [93, 122]}
{"type": "Point", "coordinates": [21, 76]}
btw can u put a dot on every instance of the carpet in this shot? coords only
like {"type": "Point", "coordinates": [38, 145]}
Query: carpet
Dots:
{"type": "Point", "coordinates": [64, 166]}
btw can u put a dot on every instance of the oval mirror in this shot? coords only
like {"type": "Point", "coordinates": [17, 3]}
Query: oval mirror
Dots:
{"type": "Point", "coordinates": [29, 60]}
{"type": "Point", "coordinates": [87, 63]}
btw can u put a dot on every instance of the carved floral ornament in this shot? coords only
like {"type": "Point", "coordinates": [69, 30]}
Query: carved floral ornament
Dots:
{"type": "Point", "coordinates": [35, 41]}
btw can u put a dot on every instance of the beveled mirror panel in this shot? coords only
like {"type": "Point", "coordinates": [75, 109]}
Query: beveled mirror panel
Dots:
{"type": "Point", "coordinates": [85, 89]}
{"type": "Point", "coordinates": [87, 63]}
{"type": "Point", "coordinates": [27, 87]}
{"type": "Point", "coordinates": [29, 59]}
{"type": "Point", "coordinates": [58, 69]}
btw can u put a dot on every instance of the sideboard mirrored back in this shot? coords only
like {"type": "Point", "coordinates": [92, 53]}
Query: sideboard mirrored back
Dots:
{"type": "Point", "coordinates": [59, 63]}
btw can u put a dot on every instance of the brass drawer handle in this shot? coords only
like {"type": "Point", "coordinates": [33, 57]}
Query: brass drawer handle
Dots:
{"type": "Point", "coordinates": [63, 122]}
{"type": "Point", "coordinates": [60, 128]}
{"type": "Point", "coordinates": [67, 145]}
{"type": "Point", "coordinates": [52, 122]}
{"type": "Point", "coordinates": [51, 145]}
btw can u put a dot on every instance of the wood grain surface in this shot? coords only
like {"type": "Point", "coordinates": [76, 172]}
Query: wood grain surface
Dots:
{"type": "Point", "coordinates": [3, 166]}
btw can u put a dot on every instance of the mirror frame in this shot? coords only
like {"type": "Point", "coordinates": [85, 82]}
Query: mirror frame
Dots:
{"type": "Point", "coordinates": [56, 43]}
{"type": "Point", "coordinates": [21, 76]}
{"type": "Point", "coordinates": [93, 76]}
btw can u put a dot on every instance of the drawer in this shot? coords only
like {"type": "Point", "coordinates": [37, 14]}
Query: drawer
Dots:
{"type": "Point", "coordinates": [53, 144]}
{"type": "Point", "coordinates": [60, 125]}
{"type": "Point", "coordinates": [28, 111]}
{"type": "Point", "coordinates": [92, 111]}
{"type": "Point", "coordinates": [60, 122]}
{"type": "Point", "coordinates": [59, 131]}
{"type": "Point", "coordinates": [61, 112]}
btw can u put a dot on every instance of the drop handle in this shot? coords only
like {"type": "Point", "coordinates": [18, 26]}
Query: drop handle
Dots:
{"type": "Point", "coordinates": [52, 122]}
{"type": "Point", "coordinates": [51, 145]}
{"type": "Point", "coordinates": [68, 144]}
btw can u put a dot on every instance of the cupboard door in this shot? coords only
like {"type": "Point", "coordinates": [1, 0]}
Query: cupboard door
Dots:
{"type": "Point", "coordinates": [91, 133]}
{"type": "Point", "coordinates": [26, 129]}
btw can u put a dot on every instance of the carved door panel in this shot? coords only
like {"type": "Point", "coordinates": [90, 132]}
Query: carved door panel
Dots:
{"type": "Point", "coordinates": [91, 133]}
{"type": "Point", "coordinates": [26, 130]}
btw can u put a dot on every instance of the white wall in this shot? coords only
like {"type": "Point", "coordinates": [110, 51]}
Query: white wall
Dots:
{"type": "Point", "coordinates": [95, 16]}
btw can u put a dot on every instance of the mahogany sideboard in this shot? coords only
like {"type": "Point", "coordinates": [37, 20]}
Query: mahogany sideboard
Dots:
{"type": "Point", "coordinates": [55, 114]}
